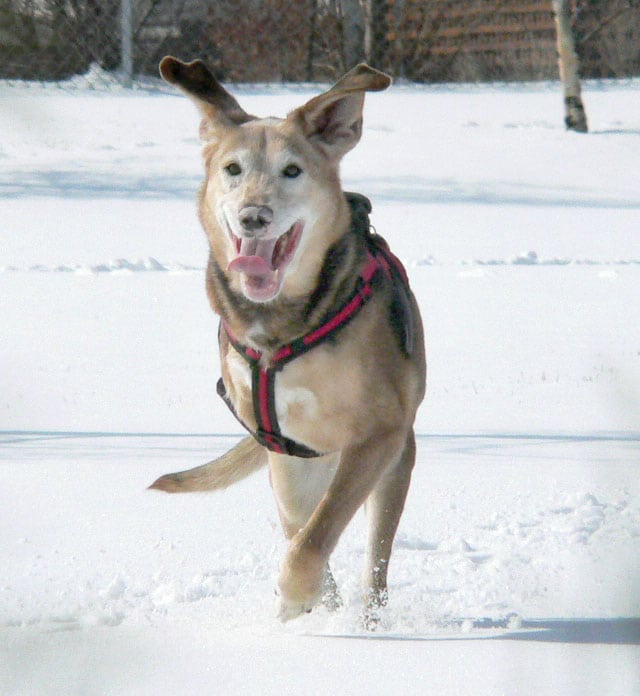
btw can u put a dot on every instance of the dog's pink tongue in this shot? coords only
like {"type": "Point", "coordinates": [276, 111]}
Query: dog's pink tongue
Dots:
{"type": "Point", "coordinates": [251, 265]}
{"type": "Point", "coordinates": [255, 257]}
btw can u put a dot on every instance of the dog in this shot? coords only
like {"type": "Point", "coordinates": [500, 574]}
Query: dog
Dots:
{"type": "Point", "coordinates": [321, 342]}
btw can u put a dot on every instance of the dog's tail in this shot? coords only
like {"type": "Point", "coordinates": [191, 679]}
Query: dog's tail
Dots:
{"type": "Point", "coordinates": [238, 463]}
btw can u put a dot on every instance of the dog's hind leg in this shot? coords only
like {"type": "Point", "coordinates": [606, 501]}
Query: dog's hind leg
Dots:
{"type": "Point", "coordinates": [384, 508]}
{"type": "Point", "coordinates": [331, 598]}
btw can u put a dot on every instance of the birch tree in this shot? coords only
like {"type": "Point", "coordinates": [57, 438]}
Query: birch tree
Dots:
{"type": "Point", "coordinates": [353, 31]}
{"type": "Point", "coordinates": [568, 64]}
{"type": "Point", "coordinates": [376, 42]}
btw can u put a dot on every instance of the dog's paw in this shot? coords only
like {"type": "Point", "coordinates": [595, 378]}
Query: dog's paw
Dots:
{"type": "Point", "coordinates": [292, 601]}
{"type": "Point", "coordinates": [287, 610]}
{"type": "Point", "coordinates": [301, 581]}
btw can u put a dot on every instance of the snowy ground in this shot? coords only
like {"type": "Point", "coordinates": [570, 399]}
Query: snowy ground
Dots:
{"type": "Point", "coordinates": [517, 566]}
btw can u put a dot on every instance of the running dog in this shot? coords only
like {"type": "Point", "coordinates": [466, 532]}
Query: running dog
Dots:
{"type": "Point", "coordinates": [321, 343]}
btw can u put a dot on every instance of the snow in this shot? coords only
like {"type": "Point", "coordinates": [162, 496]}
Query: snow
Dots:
{"type": "Point", "coordinates": [515, 569]}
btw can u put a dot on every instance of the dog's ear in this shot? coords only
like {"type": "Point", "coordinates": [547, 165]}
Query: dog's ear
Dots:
{"type": "Point", "coordinates": [219, 109]}
{"type": "Point", "coordinates": [333, 120]}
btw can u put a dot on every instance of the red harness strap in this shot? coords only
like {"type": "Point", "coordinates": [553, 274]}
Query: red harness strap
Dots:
{"type": "Point", "coordinates": [268, 431]}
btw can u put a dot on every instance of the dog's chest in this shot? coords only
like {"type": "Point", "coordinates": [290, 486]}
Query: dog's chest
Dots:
{"type": "Point", "coordinates": [295, 403]}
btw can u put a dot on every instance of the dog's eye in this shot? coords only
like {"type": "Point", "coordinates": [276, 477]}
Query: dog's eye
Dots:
{"type": "Point", "coordinates": [291, 171]}
{"type": "Point", "coordinates": [233, 169]}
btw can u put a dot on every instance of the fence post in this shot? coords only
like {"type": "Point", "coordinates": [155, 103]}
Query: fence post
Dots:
{"type": "Point", "coordinates": [126, 42]}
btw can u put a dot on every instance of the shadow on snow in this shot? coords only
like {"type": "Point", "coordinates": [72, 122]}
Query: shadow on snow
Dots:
{"type": "Point", "coordinates": [121, 183]}
{"type": "Point", "coordinates": [618, 631]}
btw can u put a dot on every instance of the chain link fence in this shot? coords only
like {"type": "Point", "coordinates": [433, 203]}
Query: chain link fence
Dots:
{"type": "Point", "coordinates": [313, 40]}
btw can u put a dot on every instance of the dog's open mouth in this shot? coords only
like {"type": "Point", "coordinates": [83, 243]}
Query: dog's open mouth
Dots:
{"type": "Point", "coordinates": [262, 262]}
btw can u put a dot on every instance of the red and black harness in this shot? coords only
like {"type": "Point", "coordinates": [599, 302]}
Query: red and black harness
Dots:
{"type": "Point", "coordinates": [379, 259]}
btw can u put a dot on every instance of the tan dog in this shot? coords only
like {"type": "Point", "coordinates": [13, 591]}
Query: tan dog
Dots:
{"type": "Point", "coordinates": [321, 343]}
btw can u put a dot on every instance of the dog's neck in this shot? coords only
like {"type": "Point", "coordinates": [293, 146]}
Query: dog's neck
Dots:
{"type": "Point", "coordinates": [267, 326]}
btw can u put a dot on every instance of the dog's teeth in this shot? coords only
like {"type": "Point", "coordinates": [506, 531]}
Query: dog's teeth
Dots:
{"type": "Point", "coordinates": [248, 246]}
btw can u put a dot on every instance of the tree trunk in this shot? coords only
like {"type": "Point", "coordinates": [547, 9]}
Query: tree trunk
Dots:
{"type": "Point", "coordinates": [575, 117]}
{"type": "Point", "coordinates": [376, 39]}
{"type": "Point", "coordinates": [353, 30]}
{"type": "Point", "coordinates": [313, 21]}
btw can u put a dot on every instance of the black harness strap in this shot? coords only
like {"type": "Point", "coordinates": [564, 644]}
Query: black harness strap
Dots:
{"type": "Point", "coordinates": [379, 259]}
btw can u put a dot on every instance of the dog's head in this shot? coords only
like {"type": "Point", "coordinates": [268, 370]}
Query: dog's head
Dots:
{"type": "Point", "coordinates": [271, 203]}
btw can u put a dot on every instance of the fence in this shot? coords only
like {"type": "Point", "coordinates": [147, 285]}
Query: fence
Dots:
{"type": "Point", "coordinates": [313, 40]}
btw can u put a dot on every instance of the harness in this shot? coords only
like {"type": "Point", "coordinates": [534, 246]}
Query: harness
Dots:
{"type": "Point", "coordinates": [379, 259]}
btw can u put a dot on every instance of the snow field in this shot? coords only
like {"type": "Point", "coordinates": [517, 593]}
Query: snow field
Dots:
{"type": "Point", "coordinates": [515, 569]}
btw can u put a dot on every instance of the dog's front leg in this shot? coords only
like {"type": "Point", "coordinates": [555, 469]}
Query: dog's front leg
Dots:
{"type": "Point", "coordinates": [302, 571]}
{"type": "Point", "coordinates": [299, 485]}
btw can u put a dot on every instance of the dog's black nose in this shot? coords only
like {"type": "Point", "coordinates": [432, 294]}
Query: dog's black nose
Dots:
{"type": "Point", "coordinates": [255, 217]}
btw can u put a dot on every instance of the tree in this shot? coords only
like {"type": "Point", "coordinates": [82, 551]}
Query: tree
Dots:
{"type": "Point", "coordinates": [568, 64]}
{"type": "Point", "coordinates": [377, 32]}
{"type": "Point", "coordinates": [353, 32]}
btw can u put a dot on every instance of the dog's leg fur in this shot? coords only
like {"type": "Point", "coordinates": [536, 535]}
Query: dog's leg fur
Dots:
{"type": "Point", "coordinates": [238, 463]}
{"type": "Point", "coordinates": [298, 486]}
{"type": "Point", "coordinates": [384, 508]}
{"type": "Point", "coordinates": [302, 571]}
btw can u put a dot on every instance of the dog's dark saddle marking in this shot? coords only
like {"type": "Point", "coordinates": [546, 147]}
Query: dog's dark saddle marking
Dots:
{"type": "Point", "coordinates": [379, 260]}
